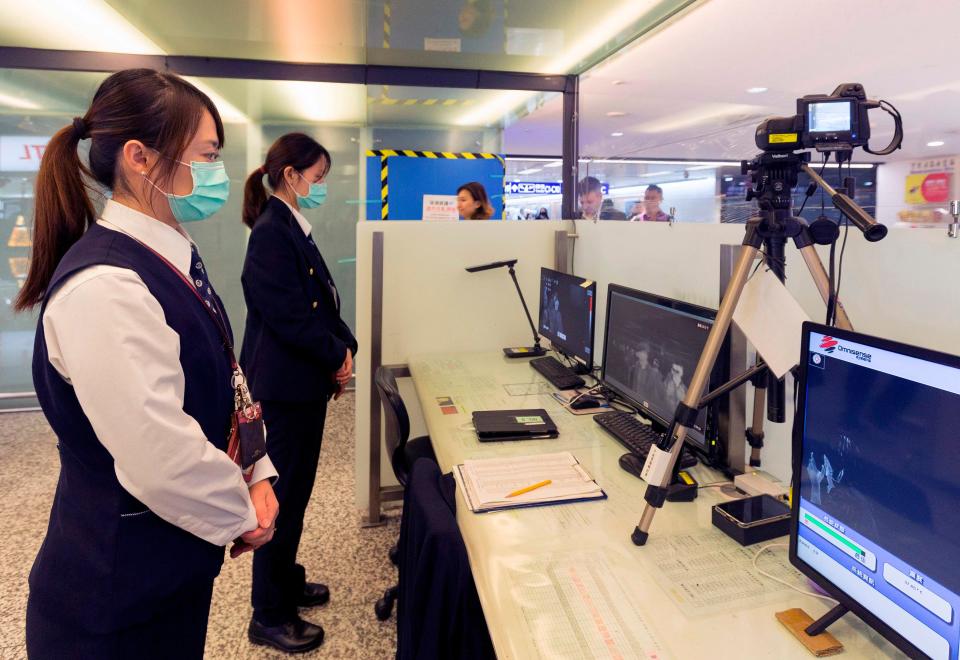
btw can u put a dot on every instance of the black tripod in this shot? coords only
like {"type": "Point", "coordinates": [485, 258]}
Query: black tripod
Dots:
{"type": "Point", "coordinates": [774, 176]}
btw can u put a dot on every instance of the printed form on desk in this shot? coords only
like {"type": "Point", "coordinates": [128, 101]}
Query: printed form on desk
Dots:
{"type": "Point", "coordinates": [487, 483]}
{"type": "Point", "coordinates": [707, 573]}
{"type": "Point", "coordinates": [575, 607]}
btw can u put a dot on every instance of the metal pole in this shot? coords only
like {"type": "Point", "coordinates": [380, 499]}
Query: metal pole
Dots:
{"type": "Point", "coordinates": [561, 251]}
{"type": "Point", "coordinates": [571, 149]}
{"type": "Point", "coordinates": [18, 395]}
{"type": "Point", "coordinates": [376, 357]}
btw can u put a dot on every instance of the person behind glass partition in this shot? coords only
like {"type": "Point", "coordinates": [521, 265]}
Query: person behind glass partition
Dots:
{"type": "Point", "coordinates": [473, 202]}
{"type": "Point", "coordinates": [652, 199]}
{"type": "Point", "coordinates": [592, 204]}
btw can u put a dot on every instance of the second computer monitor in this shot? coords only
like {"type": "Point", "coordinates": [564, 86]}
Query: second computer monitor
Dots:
{"type": "Point", "coordinates": [651, 348]}
{"type": "Point", "coordinates": [567, 313]}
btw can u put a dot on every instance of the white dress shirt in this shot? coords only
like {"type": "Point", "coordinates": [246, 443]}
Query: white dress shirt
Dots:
{"type": "Point", "coordinates": [107, 336]}
{"type": "Point", "coordinates": [302, 221]}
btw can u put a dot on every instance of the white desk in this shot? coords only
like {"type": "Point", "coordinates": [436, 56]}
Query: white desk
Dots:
{"type": "Point", "coordinates": [566, 581]}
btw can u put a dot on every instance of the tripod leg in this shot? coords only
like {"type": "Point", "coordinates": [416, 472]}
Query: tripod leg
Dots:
{"type": "Point", "coordinates": [822, 280]}
{"type": "Point", "coordinates": [660, 462]}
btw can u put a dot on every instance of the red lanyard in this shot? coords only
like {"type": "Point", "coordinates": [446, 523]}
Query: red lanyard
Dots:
{"type": "Point", "coordinates": [216, 321]}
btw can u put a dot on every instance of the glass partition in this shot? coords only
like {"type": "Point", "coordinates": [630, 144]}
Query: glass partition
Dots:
{"type": "Point", "coordinates": [349, 120]}
{"type": "Point", "coordinates": [679, 108]}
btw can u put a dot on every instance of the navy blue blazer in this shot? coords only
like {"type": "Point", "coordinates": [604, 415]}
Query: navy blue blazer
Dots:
{"type": "Point", "coordinates": [295, 340]}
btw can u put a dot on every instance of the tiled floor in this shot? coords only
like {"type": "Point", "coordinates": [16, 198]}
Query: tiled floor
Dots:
{"type": "Point", "coordinates": [335, 549]}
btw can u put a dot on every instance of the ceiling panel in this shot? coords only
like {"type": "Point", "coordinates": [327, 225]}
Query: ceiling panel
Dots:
{"type": "Point", "coordinates": [536, 36]}
{"type": "Point", "coordinates": [682, 92]}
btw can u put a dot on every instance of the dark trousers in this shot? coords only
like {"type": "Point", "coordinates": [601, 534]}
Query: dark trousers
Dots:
{"type": "Point", "coordinates": [294, 433]}
{"type": "Point", "coordinates": [179, 631]}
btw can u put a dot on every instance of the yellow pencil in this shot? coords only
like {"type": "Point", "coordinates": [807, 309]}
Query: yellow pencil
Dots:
{"type": "Point", "coordinates": [545, 482]}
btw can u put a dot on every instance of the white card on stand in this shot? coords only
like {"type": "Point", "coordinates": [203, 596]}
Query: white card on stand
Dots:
{"type": "Point", "coordinates": [771, 319]}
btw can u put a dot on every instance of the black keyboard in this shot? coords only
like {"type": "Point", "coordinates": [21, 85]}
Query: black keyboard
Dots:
{"type": "Point", "coordinates": [559, 376]}
{"type": "Point", "coordinates": [636, 436]}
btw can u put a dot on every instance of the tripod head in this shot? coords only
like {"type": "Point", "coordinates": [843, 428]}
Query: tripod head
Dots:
{"type": "Point", "coordinates": [773, 176]}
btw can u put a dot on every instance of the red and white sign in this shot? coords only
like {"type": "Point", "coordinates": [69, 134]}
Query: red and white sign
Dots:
{"type": "Point", "coordinates": [21, 153]}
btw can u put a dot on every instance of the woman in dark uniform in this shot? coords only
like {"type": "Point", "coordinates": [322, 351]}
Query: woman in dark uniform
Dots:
{"type": "Point", "coordinates": [133, 373]}
{"type": "Point", "coordinates": [297, 354]}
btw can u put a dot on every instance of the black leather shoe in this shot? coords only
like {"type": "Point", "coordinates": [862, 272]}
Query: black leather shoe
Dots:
{"type": "Point", "coordinates": [298, 636]}
{"type": "Point", "coordinates": [314, 594]}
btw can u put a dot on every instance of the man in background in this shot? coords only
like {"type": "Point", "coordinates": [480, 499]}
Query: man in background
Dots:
{"type": "Point", "coordinates": [652, 198]}
{"type": "Point", "coordinates": [590, 197]}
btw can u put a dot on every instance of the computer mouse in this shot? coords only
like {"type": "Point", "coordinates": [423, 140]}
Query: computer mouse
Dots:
{"type": "Point", "coordinates": [632, 464]}
{"type": "Point", "coordinates": [585, 402]}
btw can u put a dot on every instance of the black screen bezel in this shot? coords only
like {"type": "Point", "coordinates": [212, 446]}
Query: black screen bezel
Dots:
{"type": "Point", "coordinates": [841, 596]}
{"type": "Point", "coordinates": [559, 345]}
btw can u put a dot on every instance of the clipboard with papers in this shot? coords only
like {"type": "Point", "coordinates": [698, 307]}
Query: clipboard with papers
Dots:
{"type": "Point", "coordinates": [493, 484]}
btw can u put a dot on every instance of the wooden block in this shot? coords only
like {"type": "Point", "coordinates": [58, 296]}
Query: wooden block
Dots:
{"type": "Point", "coordinates": [796, 621]}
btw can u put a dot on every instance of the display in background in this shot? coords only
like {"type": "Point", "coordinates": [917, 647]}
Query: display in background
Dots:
{"type": "Point", "coordinates": [927, 192]}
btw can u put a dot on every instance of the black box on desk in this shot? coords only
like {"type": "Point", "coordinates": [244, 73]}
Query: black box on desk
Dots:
{"type": "Point", "coordinates": [752, 519]}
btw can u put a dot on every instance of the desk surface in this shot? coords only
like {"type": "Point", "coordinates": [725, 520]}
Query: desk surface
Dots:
{"type": "Point", "coordinates": [565, 581]}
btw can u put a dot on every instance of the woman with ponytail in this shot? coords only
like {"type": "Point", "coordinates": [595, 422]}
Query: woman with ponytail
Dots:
{"type": "Point", "coordinates": [133, 371]}
{"type": "Point", "coordinates": [297, 353]}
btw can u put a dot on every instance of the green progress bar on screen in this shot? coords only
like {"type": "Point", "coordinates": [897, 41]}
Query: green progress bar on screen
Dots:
{"type": "Point", "coordinates": [829, 530]}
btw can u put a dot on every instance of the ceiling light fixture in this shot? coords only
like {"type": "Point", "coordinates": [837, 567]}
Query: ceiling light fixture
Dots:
{"type": "Point", "coordinates": [935, 143]}
{"type": "Point", "coordinates": [96, 26]}
{"type": "Point", "coordinates": [10, 101]}
{"type": "Point", "coordinates": [616, 134]}
{"type": "Point", "coordinates": [756, 90]}
{"type": "Point", "coordinates": [616, 113]}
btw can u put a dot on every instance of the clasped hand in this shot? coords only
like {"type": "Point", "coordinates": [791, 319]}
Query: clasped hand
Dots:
{"type": "Point", "coordinates": [265, 504]}
{"type": "Point", "coordinates": [343, 375]}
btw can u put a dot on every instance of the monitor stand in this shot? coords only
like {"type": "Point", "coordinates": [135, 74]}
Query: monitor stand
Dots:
{"type": "Point", "coordinates": [820, 625]}
{"type": "Point", "coordinates": [577, 367]}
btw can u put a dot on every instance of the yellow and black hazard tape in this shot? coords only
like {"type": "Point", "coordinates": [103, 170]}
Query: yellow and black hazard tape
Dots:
{"type": "Point", "coordinates": [387, 17]}
{"type": "Point", "coordinates": [385, 154]}
{"type": "Point", "coordinates": [387, 100]}
{"type": "Point", "coordinates": [410, 153]}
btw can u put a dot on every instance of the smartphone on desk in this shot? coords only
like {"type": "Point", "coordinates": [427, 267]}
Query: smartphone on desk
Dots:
{"type": "Point", "coordinates": [753, 511]}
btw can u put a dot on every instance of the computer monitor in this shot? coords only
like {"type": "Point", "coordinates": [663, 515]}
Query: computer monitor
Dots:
{"type": "Point", "coordinates": [651, 347]}
{"type": "Point", "coordinates": [567, 314]}
{"type": "Point", "coordinates": [876, 456]}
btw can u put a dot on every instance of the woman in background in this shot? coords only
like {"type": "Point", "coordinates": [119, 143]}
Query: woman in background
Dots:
{"type": "Point", "coordinates": [297, 353]}
{"type": "Point", "coordinates": [133, 373]}
{"type": "Point", "coordinates": [473, 203]}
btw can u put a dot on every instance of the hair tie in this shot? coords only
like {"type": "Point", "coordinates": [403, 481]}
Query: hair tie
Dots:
{"type": "Point", "coordinates": [263, 170]}
{"type": "Point", "coordinates": [80, 128]}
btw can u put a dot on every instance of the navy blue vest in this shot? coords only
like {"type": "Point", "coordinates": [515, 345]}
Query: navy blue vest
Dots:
{"type": "Point", "coordinates": [107, 561]}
